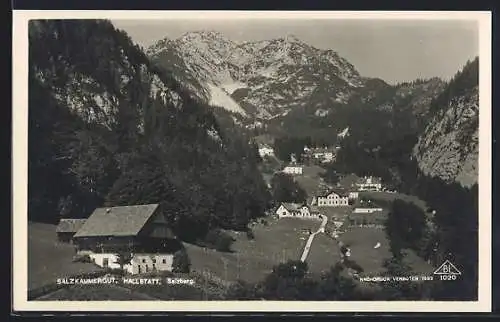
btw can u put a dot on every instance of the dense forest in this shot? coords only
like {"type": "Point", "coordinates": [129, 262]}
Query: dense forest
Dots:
{"type": "Point", "coordinates": [108, 127]}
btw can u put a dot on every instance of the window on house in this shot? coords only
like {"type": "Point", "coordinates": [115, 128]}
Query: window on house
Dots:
{"type": "Point", "coordinates": [146, 267]}
{"type": "Point", "coordinates": [164, 261]}
{"type": "Point", "coordinates": [105, 262]}
{"type": "Point", "coordinates": [143, 260]}
{"type": "Point", "coordinates": [154, 260]}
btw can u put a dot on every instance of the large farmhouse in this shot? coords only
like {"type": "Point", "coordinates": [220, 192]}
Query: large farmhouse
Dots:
{"type": "Point", "coordinates": [332, 199]}
{"type": "Point", "coordinates": [67, 228]}
{"type": "Point", "coordinates": [139, 230]}
{"type": "Point", "coordinates": [296, 211]}
{"type": "Point", "coordinates": [369, 184]}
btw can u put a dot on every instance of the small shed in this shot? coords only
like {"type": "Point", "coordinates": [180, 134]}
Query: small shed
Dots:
{"type": "Point", "coordinates": [67, 228]}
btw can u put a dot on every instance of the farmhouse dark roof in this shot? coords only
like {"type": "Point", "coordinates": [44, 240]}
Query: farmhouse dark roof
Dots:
{"type": "Point", "coordinates": [69, 225]}
{"type": "Point", "coordinates": [292, 206]}
{"type": "Point", "coordinates": [117, 221]}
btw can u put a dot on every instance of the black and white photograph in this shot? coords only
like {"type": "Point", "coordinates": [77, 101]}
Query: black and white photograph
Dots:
{"type": "Point", "coordinates": [268, 161]}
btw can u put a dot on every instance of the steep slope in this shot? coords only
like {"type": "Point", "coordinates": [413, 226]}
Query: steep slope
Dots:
{"type": "Point", "coordinates": [449, 147]}
{"type": "Point", "coordinates": [264, 78]}
{"type": "Point", "coordinates": [108, 126]}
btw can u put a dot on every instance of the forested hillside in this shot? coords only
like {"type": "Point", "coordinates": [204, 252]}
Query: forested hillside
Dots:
{"type": "Point", "coordinates": [106, 126]}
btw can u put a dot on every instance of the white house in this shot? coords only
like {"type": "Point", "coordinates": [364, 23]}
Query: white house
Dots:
{"type": "Point", "coordinates": [353, 195]}
{"type": "Point", "coordinates": [293, 169]}
{"type": "Point", "coordinates": [369, 184]}
{"type": "Point", "coordinates": [328, 157]}
{"type": "Point", "coordinates": [325, 154]}
{"type": "Point", "coordinates": [332, 200]}
{"type": "Point", "coordinates": [295, 210]}
{"type": "Point", "coordinates": [266, 151]}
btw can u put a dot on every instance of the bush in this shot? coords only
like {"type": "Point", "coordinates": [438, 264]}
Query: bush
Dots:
{"type": "Point", "coordinates": [220, 240]}
{"type": "Point", "coordinates": [181, 262]}
{"type": "Point", "coordinates": [224, 243]}
{"type": "Point", "coordinates": [82, 258]}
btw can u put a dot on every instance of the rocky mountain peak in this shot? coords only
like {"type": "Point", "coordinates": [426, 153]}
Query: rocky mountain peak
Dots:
{"type": "Point", "coordinates": [262, 78]}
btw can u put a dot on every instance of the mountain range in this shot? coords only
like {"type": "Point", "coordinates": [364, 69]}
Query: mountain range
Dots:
{"type": "Point", "coordinates": [259, 79]}
{"type": "Point", "coordinates": [300, 90]}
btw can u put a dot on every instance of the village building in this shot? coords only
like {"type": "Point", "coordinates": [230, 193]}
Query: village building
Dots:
{"type": "Point", "coordinates": [265, 150]}
{"type": "Point", "coordinates": [140, 230]}
{"type": "Point", "coordinates": [323, 155]}
{"type": "Point", "coordinates": [67, 228]}
{"type": "Point", "coordinates": [296, 210]}
{"type": "Point", "coordinates": [332, 199]}
{"type": "Point", "coordinates": [369, 184]}
{"type": "Point", "coordinates": [367, 210]}
{"type": "Point", "coordinates": [293, 169]}
{"type": "Point", "coordinates": [353, 195]}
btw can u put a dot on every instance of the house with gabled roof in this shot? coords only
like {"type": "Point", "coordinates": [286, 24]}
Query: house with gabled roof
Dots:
{"type": "Point", "coordinates": [142, 231]}
{"type": "Point", "coordinates": [333, 198]}
{"type": "Point", "coordinates": [297, 210]}
{"type": "Point", "coordinates": [67, 228]}
{"type": "Point", "coordinates": [369, 183]}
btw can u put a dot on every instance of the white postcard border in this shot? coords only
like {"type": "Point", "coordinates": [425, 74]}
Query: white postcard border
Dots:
{"type": "Point", "coordinates": [19, 164]}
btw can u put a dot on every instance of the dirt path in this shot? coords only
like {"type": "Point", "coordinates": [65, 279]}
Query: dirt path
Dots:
{"type": "Point", "coordinates": [307, 248]}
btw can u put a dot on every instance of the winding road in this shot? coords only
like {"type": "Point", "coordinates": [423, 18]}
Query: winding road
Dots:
{"type": "Point", "coordinates": [307, 248]}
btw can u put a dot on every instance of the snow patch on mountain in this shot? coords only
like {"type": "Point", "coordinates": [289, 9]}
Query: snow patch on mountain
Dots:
{"type": "Point", "coordinates": [220, 98]}
{"type": "Point", "coordinates": [277, 74]}
{"type": "Point", "coordinates": [230, 87]}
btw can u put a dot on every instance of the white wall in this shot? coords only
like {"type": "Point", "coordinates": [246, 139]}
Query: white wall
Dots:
{"type": "Point", "coordinates": [282, 212]}
{"type": "Point", "coordinates": [333, 201]}
{"type": "Point", "coordinates": [366, 210]}
{"type": "Point", "coordinates": [138, 261]}
{"type": "Point", "coordinates": [302, 213]}
{"type": "Point", "coordinates": [293, 170]}
{"type": "Point", "coordinates": [151, 262]}
{"type": "Point", "coordinates": [266, 152]}
{"type": "Point", "coordinates": [98, 258]}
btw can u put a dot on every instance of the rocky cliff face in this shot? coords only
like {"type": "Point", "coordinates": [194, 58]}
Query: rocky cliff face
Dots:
{"type": "Point", "coordinates": [263, 78]}
{"type": "Point", "coordinates": [449, 148]}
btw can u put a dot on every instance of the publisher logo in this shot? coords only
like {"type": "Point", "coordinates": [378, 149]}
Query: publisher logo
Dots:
{"type": "Point", "coordinates": [447, 271]}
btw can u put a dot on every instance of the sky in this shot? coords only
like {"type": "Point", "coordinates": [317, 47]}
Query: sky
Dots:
{"type": "Point", "coordinates": [393, 50]}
